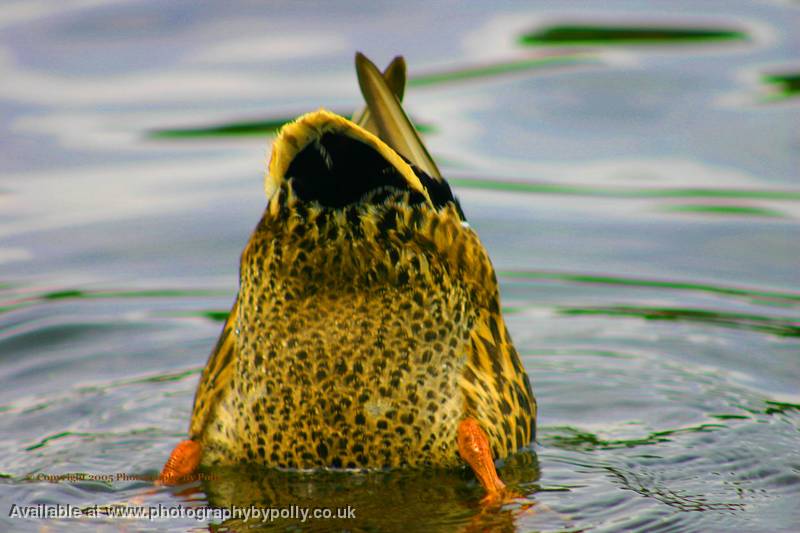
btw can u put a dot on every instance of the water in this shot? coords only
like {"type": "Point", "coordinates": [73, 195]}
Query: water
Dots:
{"type": "Point", "coordinates": [639, 200]}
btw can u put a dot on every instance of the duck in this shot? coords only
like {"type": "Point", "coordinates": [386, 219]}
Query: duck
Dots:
{"type": "Point", "coordinates": [367, 331]}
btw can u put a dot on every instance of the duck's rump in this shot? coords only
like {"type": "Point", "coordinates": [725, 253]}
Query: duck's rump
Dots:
{"type": "Point", "coordinates": [362, 335]}
{"type": "Point", "coordinates": [353, 379]}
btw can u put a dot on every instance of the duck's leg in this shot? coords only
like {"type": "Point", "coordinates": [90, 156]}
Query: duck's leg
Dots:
{"type": "Point", "coordinates": [474, 448]}
{"type": "Point", "coordinates": [182, 462]}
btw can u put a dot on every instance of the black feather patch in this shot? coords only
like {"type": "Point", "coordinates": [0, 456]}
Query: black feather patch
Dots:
{"type": "Point", "coordinates": [336, 170]}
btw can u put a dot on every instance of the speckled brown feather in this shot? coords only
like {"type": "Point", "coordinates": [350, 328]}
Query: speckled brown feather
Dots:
{"type": "Point", "coordinates": [361, 336]}
{"type": "Point", "coordinates": [216, 375]}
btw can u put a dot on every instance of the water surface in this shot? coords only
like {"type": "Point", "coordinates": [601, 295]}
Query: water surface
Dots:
{"type": "Point", "coordinates": [632, 172]}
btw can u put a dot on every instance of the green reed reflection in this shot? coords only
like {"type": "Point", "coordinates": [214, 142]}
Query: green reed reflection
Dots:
{"type": "Point", "coordinates": [576, 34]}
{"type": "Point", "coordinates": [244, 129]}
{"type": "Point", "coordinates": [784, 85]}
{"type": "Point", "coordinates": [571, 438]}
{"type": "Point", "coordinates": [621, 192]}
{"type": "Point", "coordinates": [750, 294]}
{"type": "Point", "coordinates": [775, 326]}
{"type": "Point", "coordinates": [732, 210]}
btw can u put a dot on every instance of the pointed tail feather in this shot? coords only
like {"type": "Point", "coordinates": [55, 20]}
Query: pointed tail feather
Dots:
{"type": "Point", "coordinates": [393, 126]}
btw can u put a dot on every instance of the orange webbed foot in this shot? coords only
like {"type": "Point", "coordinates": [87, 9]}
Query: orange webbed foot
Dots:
{"type": "Point", "coordinates": [474, 448]}
{"type": "Point", "coordinates": [183, 462]}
